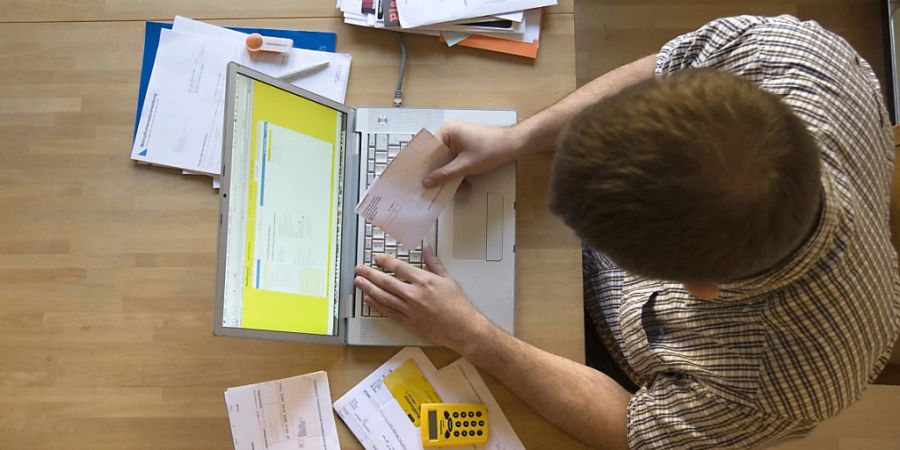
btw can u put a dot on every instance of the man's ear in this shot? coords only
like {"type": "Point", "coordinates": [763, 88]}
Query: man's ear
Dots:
{"type": "Point", "coordinates": [703, 291]}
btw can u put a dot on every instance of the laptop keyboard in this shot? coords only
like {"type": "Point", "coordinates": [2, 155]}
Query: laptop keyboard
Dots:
{"type": "Point", "coordinates": [382, 150]}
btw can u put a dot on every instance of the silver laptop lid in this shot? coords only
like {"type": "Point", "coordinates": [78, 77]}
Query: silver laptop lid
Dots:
{"type": "Point", "coordinates": [286, 231]}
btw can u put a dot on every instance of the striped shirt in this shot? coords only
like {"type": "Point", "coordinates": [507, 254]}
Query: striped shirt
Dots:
{"type": "Point", "coordinates": [776, 354]}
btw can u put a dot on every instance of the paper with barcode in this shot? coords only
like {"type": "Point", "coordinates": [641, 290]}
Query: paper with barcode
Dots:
{"type": "Point", "coordinates": [283, 414]}
{"type": "Point", "coordinates": [398, 203]}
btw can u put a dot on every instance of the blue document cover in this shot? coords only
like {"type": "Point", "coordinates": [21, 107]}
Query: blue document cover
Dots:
{"type": "Point", "coordinates": [309, 40]}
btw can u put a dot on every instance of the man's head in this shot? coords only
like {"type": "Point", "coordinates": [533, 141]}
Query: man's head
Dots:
{"type": "Point", "coordinates": [698, 177]}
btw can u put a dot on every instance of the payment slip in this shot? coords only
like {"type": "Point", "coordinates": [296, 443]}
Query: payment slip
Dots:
{"type": "Point", "coordinates": [377, 410]}
{"type": "Point", "coordinates": [283, 414]}
{"type": "Point", "coordinates": [398, 203]}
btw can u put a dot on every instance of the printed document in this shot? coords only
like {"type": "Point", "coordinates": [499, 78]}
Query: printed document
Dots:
{"type": "Point", "coordinates": [375, 416]}
{"type": "Point", "coordinates": [398, 203]}
{"type": "Point", "coordinates": [181, 121]}
{"type": "Point", "coordinates": [283, 414]}
{"type": "Point", "coordinates": [417, 13]}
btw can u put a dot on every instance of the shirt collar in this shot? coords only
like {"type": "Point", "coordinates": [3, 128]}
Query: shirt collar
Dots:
{"type": "Point", "coordinates": [810, 253]}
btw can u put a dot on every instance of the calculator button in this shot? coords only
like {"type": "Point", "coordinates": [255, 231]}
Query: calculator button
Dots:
{"type": "Point", "coordinates": [455, 414]}
{"type": "Point", "coordinates": [458, 423]}
{"type": "Point", "coordinates": [446, 415]}
{"type": "Point", "coordinates": [477, 413]}
{"type": "Point", "coordinates": [480, 423]}
{"type": "Point", "coordinates": [466, 423]}
{"type": "Point", "coordinates": [465, 433]}
{"type": "Point", "coordinates": [447, 434]}
{"type": "Point", "coordinates": [479, 432]}
{"type": "Point", "coordinates": [456, 433]}
{"type": "Point", "coordinates": [471, 414]}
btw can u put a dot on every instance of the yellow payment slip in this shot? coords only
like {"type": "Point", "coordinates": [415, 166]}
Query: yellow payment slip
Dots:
{"type": "Point", "coordinates": [383, 410]}
{"type": "Point", "coordinates": [411, 389]}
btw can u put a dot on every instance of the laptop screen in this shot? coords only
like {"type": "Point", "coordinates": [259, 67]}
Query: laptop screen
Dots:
{"type": "Point", "coordinates": [283, 241]}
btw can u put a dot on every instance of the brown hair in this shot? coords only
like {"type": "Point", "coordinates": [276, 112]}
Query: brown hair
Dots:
{"type": "Point", "coordinates": [698, 176]}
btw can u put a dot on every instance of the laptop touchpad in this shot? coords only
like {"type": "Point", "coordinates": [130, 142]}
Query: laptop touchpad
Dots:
{"type": "Point", "coordinates": [478, 226]}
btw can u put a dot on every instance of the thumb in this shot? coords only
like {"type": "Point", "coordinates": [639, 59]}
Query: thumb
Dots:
{"type": "Point", "coordinates": [432, 262]}
{"type": "Point", "coordinates": [443, 174]}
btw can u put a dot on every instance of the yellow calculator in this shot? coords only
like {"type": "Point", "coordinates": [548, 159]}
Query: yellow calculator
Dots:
{"type": "Point", "coordinates": [449, 424]}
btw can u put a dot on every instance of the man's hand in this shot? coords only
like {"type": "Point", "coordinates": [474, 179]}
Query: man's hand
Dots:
{"type": "Point", "coordinates": [430, 305]}
{"type": "Point", "coordinates": [478, 149]}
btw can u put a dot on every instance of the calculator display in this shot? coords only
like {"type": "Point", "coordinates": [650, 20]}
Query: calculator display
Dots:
{"type": "Point", "coordinates": [432, 425]}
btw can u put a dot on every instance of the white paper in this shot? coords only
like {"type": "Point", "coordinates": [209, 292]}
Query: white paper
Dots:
{"type": "Point", "coordinates": [398, 203]}
{"type": "Point", "coordinates": [461, 383]}
{"type": "Point", "coordinates": [453, 37]}
{"type": "Point", "coordinates": [417, 13]}
{"type": "Point", "coordinates": [531, 29]}
{"type": "Point", "coordinates": [378, 421]}
{"type": "Point", "coordinates": [372, 413]}
{"type": "Point", "coordinates": [330, 81]}
{"type": "Point", "coordinates": [283, 414]}
{"type": "Point", "coordinates": [181, 122]}
{"type": "Point", "coordinates": [515, 16]}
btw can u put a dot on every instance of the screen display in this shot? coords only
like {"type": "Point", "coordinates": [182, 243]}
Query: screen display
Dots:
{"type": "Point", "coordinates": [284, 205]}
{"type": "Point", "coordinates": [432, 425]}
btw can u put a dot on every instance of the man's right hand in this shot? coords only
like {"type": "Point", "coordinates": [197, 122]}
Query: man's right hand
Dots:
{"type": "Point", "coordinates": [478, 149]}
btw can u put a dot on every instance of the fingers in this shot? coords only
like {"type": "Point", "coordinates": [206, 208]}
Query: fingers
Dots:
{"type": "Point", "coordinates": [383, 300]}
{"type": "Point", "coordinates": [464, 189]}
{"type": "Point", "coordinates": [404, 271]}
{"type": "Point", "coordinates": [383, 309]}
{"type": "Point", "coordinates": [446, 134]}
{"type": "Point", "coordinates": [383, 280]}
{"type": "Point", "coordinates": [441, 175]}
{"type": "Point", "coordinates": [446, 131]}
{"type": "Point", "coordinates": [432, 262]}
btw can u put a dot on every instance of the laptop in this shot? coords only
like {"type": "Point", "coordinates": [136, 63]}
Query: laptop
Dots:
{"type": "Point", "coordinates": [294, 165]}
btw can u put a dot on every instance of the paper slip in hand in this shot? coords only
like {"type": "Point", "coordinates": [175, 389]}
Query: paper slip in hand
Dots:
{"type": "Point", "coordinates": [283, 414]}
{"type": "Point", "coordinates": [397, 202]}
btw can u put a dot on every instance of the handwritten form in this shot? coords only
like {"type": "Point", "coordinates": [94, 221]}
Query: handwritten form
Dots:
{"type": "Point", "coordinates": [376, 418]}
{"type": "Point", "coordinates": [283, 414]}
{"type": "Point", "coordinates": [397, 202]}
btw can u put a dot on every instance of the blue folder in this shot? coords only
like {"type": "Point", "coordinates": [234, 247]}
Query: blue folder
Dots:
{"type": "Point", "coordinates": [309, 40]}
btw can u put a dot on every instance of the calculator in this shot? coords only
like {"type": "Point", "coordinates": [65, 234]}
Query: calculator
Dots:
{"type": "Point", "coordinates": [449, 424]}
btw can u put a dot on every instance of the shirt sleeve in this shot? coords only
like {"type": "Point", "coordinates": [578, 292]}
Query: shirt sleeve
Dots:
{"type": "Point", "coordinates": [677, 412]}
{"type": "Point", "coordinates": [717, 44]}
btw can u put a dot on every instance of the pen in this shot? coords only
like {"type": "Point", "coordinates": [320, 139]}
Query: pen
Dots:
{"type": "Point", "coordinates": [303, 70]}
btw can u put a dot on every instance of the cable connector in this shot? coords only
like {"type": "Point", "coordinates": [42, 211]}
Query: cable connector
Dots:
{"type": "Point", "coordinates": [398, 93]}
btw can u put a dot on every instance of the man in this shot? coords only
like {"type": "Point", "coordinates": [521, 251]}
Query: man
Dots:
{"type": "Point", "coordinates": [734, 189]}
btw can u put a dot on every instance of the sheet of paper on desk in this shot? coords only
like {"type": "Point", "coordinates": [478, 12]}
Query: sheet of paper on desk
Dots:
{"type": "Point", "coordinates": [283, 414]}
{"type": "Point", "coordinates": [329, 82]}
{"type": "Point", "coordinates": [373, 414]}
{"type": "Point", "coordinates": [181, 121]}
{"type": "Point", "coordinates": [462, 383]}
{"type": "Point", "coordinates": [376, 418]}
{"type": "Point", "coordinates": [417, 13]}
{"type": "Point", "coordinates": [398, 203]}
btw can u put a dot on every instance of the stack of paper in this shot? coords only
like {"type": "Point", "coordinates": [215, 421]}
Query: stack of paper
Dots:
{"type": "Point", "coordinates": [506, 26]}
{"type": "Point", "coordinates": [181, 120]}
{"type": "Point", "coordinates": [384, 415]}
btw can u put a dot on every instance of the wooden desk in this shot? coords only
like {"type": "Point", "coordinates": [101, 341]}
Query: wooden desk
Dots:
{"type": "Point", "coordinates": [107, 268]}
